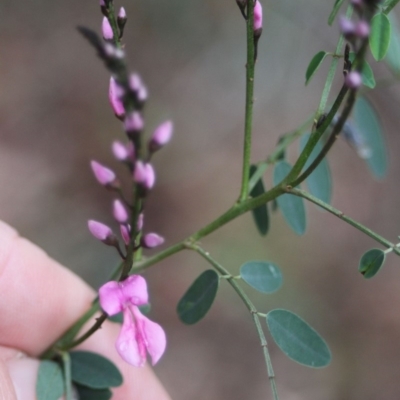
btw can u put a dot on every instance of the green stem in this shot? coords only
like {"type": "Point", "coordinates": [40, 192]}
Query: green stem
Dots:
{"type": "Point", "coordinates": [390, 6]}
{"type": "Point", "coordinates": [250, 67]}
{"type": "Point", "coordinates": [67, 375]}
{"type": "Point", "coordinates": [252, 309]}
{"type": "Point", "coordinates": [380, 239]}
{"type": "Point", "coordinates": [331, 72]}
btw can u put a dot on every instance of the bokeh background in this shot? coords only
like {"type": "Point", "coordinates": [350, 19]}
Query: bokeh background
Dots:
{"type": "Point", "coordinates": [55, 116]}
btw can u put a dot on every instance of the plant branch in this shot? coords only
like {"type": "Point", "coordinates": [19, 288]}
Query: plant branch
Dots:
{"type": "Point", "coordinates": [390, 6]}
{"type": "Point", "coordinates": [380, 239]}
{"type": "Point", "coordinates": [250, 67]}
{"type": "Point", "coordinates": [250, 306]}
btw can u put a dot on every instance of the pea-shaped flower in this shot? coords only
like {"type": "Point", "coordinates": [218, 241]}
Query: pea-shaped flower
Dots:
{"type": "Point", "coordinates": [138, 334]}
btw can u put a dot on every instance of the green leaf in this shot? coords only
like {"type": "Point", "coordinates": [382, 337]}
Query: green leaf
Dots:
{"type": "Point", "coordinates": [336, 7]}
{"type": "Point", "coordinates": [117, 318]}
{"type": "Point", "coordinates": [315, 63]}
{"type": "Point", "coordinates": [86, 393]}
{"type": "Point", "coordinates": [367, 75]}
{"type": "Point", "coordinates": [198, 299]}
{"type": "Point", "coordinates": [369, 127]}
{"type": "Point", "coordinates": [50, 381]}
{"type": "Point", "coordinates": [297, 339]}
{"type": "Point", "coordinates": [380, 36]}
{"type": "Point", "coordinates": [260, 214]}
{"type": "Point", "coordinates": [371, 262]}
{"type": "Point", "coordinates": [292, 207]}
{"type": "Point", "coordinates": [94, 371]}
{"type": "Point", "coordinates": [263, 276]}
{"type": "Point", "coordinates": [393, 53]}
{"type": "Point", "coordinates": [319, 183]}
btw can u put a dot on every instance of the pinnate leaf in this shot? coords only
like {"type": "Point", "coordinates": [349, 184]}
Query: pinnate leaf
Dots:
{"type": "Point", "coordinates": [292, 207]}
{"type": "Point", "coordinates": [319, 182]}
{"type": "Point", "coordinates": [263, 276]}
{"type": "Point", "coordinates": [94, 371]}
{"type": "Point", "coordinates": [314, 64]}
{"type": "Point", "coordinates": [50, 381]}
{"type": "Point", "coordinates": [380, 36]}
{"type": "Point", "coordinates": [297, 339]}
{"type": "Point", "coordinates": [370, 128]}
{"type": "Point", "coordinates": [198, 299]}
{"type": "Point", "coordinates": [260, 214]}
{"type": "Point", "coordinates": [371, 262]}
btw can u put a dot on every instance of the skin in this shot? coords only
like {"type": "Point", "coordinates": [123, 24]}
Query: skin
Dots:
{"type": "Point", "coordinates": [39, 300]}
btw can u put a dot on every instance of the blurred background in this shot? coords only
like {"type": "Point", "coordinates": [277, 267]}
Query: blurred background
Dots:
{"type": "Point", "coordinates": [55, 117]}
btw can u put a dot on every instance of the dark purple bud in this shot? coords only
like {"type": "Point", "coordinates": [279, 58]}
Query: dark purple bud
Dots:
{"type": "Point", "coordinates": [347, 27]}
{"type": "Point", "coordinates": [151, 240]}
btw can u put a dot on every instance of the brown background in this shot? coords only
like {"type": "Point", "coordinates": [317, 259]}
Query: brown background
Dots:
{"type": "Point", "coordinates": [54, 117]}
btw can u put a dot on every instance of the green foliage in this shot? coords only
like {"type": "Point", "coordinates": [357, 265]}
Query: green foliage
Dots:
{"type": "Point", "coordinates": [198, 299]}
{"type": "Point", "coordinates": [315, 63]}
{"type": "Point", "coordinates": [380, 36]}
{"type": "Point", "coordinates": [369, 127]}
{"type": "Point", "coordinates": [367, 75]}
{"type": "Point", "coordinates": [393, 53]}
{"type": "Point", "coordinates": [335, 10]}
{"type": "Point", "coordinates": [86, 393]}
{"type": "Point", "coordinates": [292, 207]}
{"type": "Point", "coordinates": [50, 381]}
{"type": "Point", "coordinates": [94, 371]}
{"type": "Point", "coordinates": [319, 182]}
{"type": "Point", "coordinates": [260, 214]}
{"type": "Point", "coordinates": [297, 339]}
{"type": "Point", "coordinates": [263, 276]}
{"type": "Point", "coordinates": [371, 262]}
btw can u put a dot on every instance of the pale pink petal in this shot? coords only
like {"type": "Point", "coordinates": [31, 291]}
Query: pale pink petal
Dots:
{"type": "Point", "coordinates": [151, 334]}
{"type": "Point", "coordinates": [129, 346]}
{"type": "Point", "coordinates": [111, 298]}
{"type": "Point", "coordinates": [134, 290]}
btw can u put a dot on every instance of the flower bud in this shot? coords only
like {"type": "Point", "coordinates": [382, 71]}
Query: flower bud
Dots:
{"type": "Point", "coordinates": [140, 222]}
{"type": "Point", "coordinates": [103, 7]}
{"type": "Point", "coordinates": [137, 86]}
{"type": "Point", "coordinates": [362, 29]}
{"type": "Point", "coordinates": [353, 80]}
{"type": "Point", "coordinates": [120, 151]}
{"type": "Point", "coordinates": [125, 233]}
{"type": "Point", "coordinates": [100, 231]}
{"type": "Point", "coordinates": [106, 29]}
{"type": "Point", "coordinates": [133, 123]}
{"type": "Point", "coordinates": [119, 212]}
{"type": "Point", "coordinates": [347, 27]}
{"type": "Point", "coordinates": [104, 175]}
{"type": "Point", "coordinates": [113, 52]}
{"type": "Point", "coordinates": [161, 136]}
{"type": "Point", "coordinates": [144, 175]}
{"type": "Point", "coordinates": [258, 17]}
{"type": "Point", "coordinates": [151, 240]}
{"type": "Point", "coordinates": [115, 94]}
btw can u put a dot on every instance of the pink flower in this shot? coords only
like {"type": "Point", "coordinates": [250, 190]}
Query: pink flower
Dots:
{"type": "Point", "coordinates": [353, 80]}
{"type": "Point", "coordinates": [106, 29]}
{"type": "Point", "coordinates": [151, 240]}
{"type": "Point", "coordinates": [119, 212]}
{"type": "Point", "coordinates": [138, 334]}
{"type": "Point", "coordinates": [258, 16]}
{"type": "Point", "coordinates": [99, 230]}
{"type": "Point", "coordinates": [144, 174]}
{"type": "Point", "coordinates": [104, 175]}
{"type": "Point", "coordinates": [161, 136]}
{"type": "Point", "coordinates": [115, 94]}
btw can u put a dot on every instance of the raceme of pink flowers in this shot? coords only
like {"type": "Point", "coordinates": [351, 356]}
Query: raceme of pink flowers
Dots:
{"type": "Point", "coordinates": [138, 335]}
